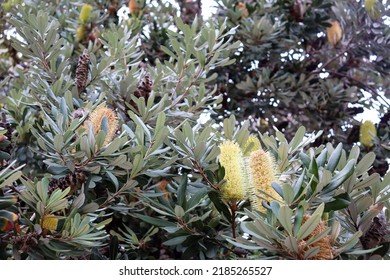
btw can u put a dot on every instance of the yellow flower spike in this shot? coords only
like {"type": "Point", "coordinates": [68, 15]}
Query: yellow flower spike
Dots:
{"type": "Point", "coordinates": [262, 172]}
{"type": "Point", "coordinates": [334, 33]}
{"type": "Point", "coordinates": [372, 9]}
{"type": "Point", "coordinates": [49, 222]}
{"type": "Point", "coordinates": [367, 134]}
{"type": "Point", "coordinates": [232, 161]}
{"type": "Point", "coordinates": [254, 147]}
{"type": "Point", "coordinates": [96, 118]}
{"type": "Point", "coordinates": [81, 33]}
{"type": "Point", "coordinates": [85, 13]}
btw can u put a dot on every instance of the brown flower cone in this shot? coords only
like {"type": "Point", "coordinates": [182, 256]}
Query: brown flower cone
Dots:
{"type": "Point", "coordinates": [72, 180]}
{"type": "Point", "coordinates": [144, 87]}
{"type": "Point", "coordinates": [82, 71]}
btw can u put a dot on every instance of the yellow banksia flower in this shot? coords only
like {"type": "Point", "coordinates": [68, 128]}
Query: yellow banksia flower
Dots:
{"type": "Point", "coordinates": [252, 141]}
{"type": "Point", "coordinates": [372, 9]}
{"type": "Point", "coordinates": [81, 33]}
{"type": "Point", "coordinates": [324, 244]}
{"type": "Point", "coordinates": [85, 13]}
{"type": "Point", "coordinates": [367, 134]}
{"type": "Point", "coordinates": [96, 118]}
{"type": "Point", "coordinates": [232, 161]}
{"type": "Point", "coordinates": [133, 7]}
{"type": "Point", "coordinates": [261, 172]}
{"type": "Point", "coordinates": [50, 222]}
{"type": "Point", "coordinates": [334, 33]}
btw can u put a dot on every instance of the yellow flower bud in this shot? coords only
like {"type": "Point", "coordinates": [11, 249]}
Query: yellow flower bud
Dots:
{"type": "Point", "coordinates": [85, 13]}
{"type": "Point", "coordinates": [50, 222]}
{"type": "Point", "coordinates": [96, 118]}
{"type": "Point", "coordinates": [262, 172]}
{"type": "Point", "coordinates": [372, 9]}
{"type": "Point", "coordinates": [232, 161]}
{"type": "Point", "coordinates": [367, 134]}
{"type": "Point", "coordinates": [253, 144]}
{"type": "Point", "coordinates": [334, 33]}
{"type": "Point", "coordinates": [81, 33]}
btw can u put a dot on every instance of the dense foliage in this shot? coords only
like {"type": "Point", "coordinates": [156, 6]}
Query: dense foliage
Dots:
{"type": "Point", "coordinates": [156, 134]}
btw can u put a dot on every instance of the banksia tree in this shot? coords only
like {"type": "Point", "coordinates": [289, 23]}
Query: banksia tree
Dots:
{"type": "Point", "coordinates": [135, 135]}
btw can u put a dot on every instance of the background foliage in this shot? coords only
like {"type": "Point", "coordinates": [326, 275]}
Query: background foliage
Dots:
{"type": "Point", "coordinates": [113, 115]}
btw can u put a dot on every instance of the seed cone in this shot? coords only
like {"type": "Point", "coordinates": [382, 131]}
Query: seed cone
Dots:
{"type": "Point", "coordinates": [144, 87]}
{"type": "Point", "coordinates": [72, 180]}
{"type": "Point", "coordinates": [82, 71]}
{"type": "Point", "coordinates": [377, 233]}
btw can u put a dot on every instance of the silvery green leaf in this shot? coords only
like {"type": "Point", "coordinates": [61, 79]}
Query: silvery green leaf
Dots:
{"type": "Point", "coordinates": [285, 218]}
{"type": "Point", "coordinates": [291, 243]}
{"type": "Point", "coordinates": [312, 252]}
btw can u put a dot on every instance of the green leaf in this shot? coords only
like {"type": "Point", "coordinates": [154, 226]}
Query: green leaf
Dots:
{"type": "Point", "coordinates": [340, 201]}
{"type": "Point", "coordinates": [179, 211]}
{"type": "Point", "coordinates": [308, 227]}
{"type": "Point", "coordinates": [334, 158]}
{"type": "Point", "coordinates": [222, 208]}
{"type": "Point", "coordinates": [175, 241]}
{"type": "Point", "coordinates": [7, 201]}
{"type": "Point", "coordinates": [340, 178]}
{"type": "Point", "coordinates": [291, 243]}
{"type": "Point", "coordinates": [182, 192]}
{"type": "Point", "coordinates": [284, 217]}
{"type": "Point", "coordinates": [155, 221]}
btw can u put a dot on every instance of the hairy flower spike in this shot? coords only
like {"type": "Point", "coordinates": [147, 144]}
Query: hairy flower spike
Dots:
{"type": "Point", "coordinates": [50, 222]}
{"type": "Point", "coordinates": [325, 247]}
{"type": "Point", "coordinates": [372, 9]}
{"type": "Point", "coordinates": [367, 134]}
{"type": "Point", "coordinates": [82, 71]}
{"type": "Point", "coordinates": [262, 172]}
{"type": "Point", "coordinates": [231, 159]}
{"type": "Point", "coordinates": [81, 33]}
{"type": "Point", "coordinates": [85, 13]}
{"type": "Point", "coordinates": [334, 33]}
{"type": "Point", "coordinates": [96, 118]}
{"type": "Point", "coordinates": [254, 144]}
